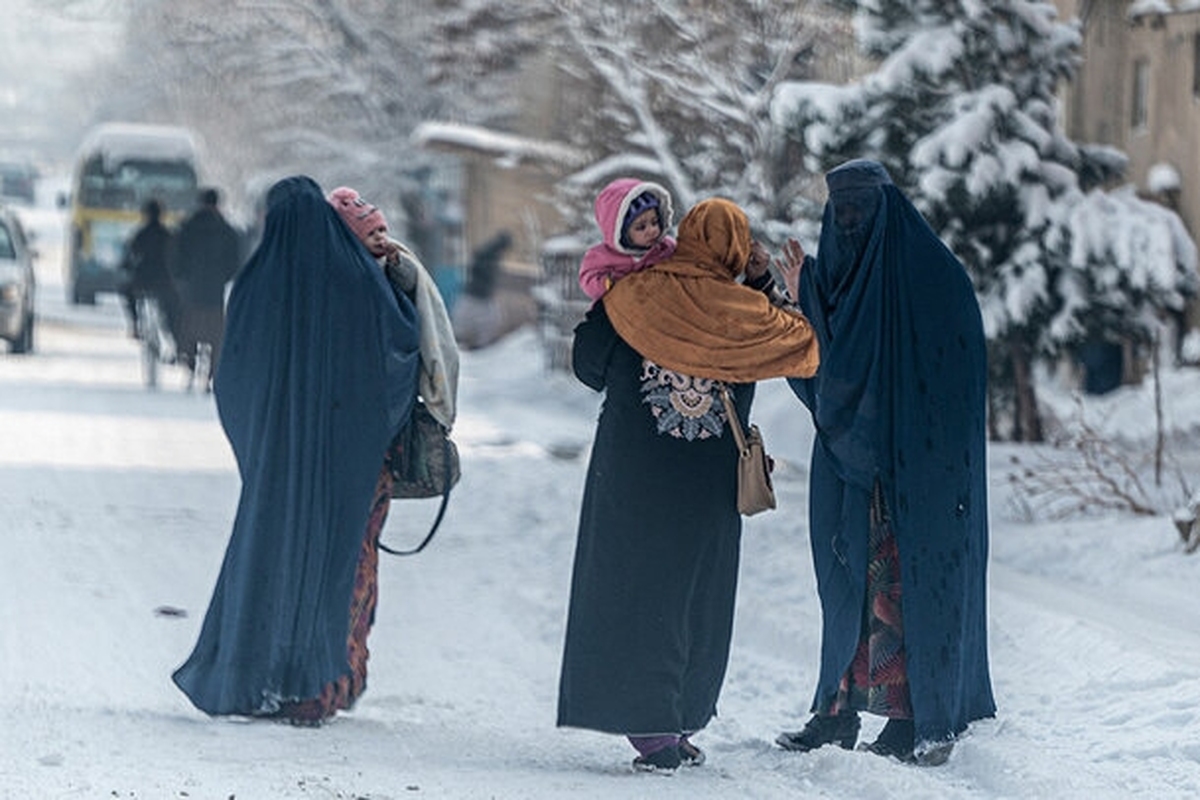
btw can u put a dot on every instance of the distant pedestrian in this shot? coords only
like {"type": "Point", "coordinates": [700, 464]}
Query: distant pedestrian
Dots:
{"type": "Point", "coordinates": [478, 317]}
{"type": "Point", "coordinates": [633, 217]}
{"type": "Point", "coordinates": [146, 265]}
{"type": "Point", "coordinates": [206, 258]}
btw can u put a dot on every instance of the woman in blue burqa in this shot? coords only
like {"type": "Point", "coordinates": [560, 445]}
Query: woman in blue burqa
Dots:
{"type": "Point", "coordinates": [318, 374]}
{"type": "Point", "coordinates": [898, 484]}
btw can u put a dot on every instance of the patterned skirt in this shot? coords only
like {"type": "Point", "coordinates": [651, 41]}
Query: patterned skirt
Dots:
{"type": "Point", "coordinates": [343, 691]}
{"type": "Point", "coordinates": [877, 680]}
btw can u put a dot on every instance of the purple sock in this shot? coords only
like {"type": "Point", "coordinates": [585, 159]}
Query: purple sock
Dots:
{"type": "Point", "coordinates": [645, 745]}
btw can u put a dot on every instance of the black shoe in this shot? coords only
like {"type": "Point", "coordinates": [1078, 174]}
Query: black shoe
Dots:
{"type": "Point", "coordinates": [896, 740]}
{"type": "Point", "coordinates": [666, 760]}
{"type": "Point", "coordinates": [839, 729]}
{"type": "Point", "coordinates": [689, 754]}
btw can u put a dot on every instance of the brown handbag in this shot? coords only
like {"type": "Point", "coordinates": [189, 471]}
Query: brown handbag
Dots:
{"type": "Point", "coordinates": [755, 491]}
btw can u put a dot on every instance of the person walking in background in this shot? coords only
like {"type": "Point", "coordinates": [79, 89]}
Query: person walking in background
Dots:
{"type": "Point", "coordinates": [478, 317]}
{"type": "Point", "coordinates": [633, 217]}
{"type": "Point", "coordinates": [318, 375]}
{"type": "Point", "coordinates": [147, 269]}
{"type": "Point", "coordinates": [206, 258]}
{"type": "Point", "coordinates": [438, 386]}
{"type": "Point", "coordinates": [656, 561]}
{"type": "Point", "coordinates": [898, 484]}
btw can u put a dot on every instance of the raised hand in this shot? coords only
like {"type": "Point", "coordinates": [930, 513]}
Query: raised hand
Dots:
{"type": "Point", "coordinates": [789, 267]}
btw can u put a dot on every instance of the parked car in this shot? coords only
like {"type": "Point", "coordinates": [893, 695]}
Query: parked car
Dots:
{"type": "Point", "coordinates": [17, 179]}
{"type": "Point", "coordinates": [16, 284]}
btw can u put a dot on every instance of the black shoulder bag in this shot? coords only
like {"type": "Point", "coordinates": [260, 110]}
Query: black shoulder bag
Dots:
{"type": "Point", "coordinates": [423, 460]}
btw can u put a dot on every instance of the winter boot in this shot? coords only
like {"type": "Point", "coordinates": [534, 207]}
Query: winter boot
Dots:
{"type": "Point", "coordinates": [822, 729]}
{"type": "Point", "coordinates": [896, 740]}
{"type": "Point", "coordinates": [689, 754]}
{"type": "Point", "coordinates": [657, 753]}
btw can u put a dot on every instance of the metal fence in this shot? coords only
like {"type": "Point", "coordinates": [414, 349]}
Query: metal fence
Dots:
{"type": "Point", "coordinates": [560, 301]}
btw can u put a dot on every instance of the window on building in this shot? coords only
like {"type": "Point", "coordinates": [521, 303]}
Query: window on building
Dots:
{"type": "Point", "coordinates": [1196, 65]}
{"type": "Point", "coordinates": [1140, 107]}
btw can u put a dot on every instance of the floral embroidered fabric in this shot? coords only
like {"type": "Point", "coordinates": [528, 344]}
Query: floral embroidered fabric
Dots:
{"type": "Point", "coordinates": [683, 406]}
{"type": "Point", "coordinates": [877, 680]}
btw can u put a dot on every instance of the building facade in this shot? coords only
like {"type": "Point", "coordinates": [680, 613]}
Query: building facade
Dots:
{"type": "Point", "coordinates": [1138, 89]}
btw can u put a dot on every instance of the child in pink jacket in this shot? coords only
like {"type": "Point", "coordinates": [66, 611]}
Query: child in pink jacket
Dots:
{"type": "Point", "coordinates": [633, 216]}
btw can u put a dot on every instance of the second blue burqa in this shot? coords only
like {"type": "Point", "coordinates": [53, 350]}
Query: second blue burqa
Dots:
{"type": "Point", "coordinates": [899, 399]}
{"type": "Point", "coordinates": [318, 374]}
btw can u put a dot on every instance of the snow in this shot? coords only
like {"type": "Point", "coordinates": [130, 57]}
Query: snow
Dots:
{"type": "Point", "coordinates": [926, 53]}
{"type": "Point", "coordinates": [1115, 226]}
{"type": "Point", "coordinates": [507, 147]}
{"type": "Point", "coordinates": [120, 141]}
{"type": "Point", "coordinates": [1162, 178]}
{"type": "Point", "coordinates": [1141, 8]}
{"type": "Point", "coordinates": [605, 169]}
{"type": "Point", "coordinates": [119, 501]}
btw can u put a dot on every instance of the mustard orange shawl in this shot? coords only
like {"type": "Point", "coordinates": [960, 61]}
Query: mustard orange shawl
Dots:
{"type": "Point", "coordinates": [689, 314]}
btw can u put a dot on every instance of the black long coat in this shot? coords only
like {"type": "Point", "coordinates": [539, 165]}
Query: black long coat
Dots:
{"type": "Point", "coordinates": [656, 562]}
{"type": "Point", "coordinates": [207, 254]}
{"type": "Point", "coordinates": [147, 259]}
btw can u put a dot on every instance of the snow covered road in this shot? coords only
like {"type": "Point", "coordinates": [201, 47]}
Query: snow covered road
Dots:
{"type": "Point", "coordinates": [117, 502]}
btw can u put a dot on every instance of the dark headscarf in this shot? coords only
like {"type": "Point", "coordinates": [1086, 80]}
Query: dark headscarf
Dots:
{"type": "Point", "coordinates": [899, 398]}
{"type": "Point", "coordinates": [318, 373]}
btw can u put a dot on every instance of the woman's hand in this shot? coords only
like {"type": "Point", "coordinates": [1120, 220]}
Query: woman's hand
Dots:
{"type": "Point", "coordinates": [789, 267]}
{"type": "Point", "coordinates": [760, 260]}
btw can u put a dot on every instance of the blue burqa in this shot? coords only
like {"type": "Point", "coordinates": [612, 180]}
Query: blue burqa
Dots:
{"type": "Point", "coordinates": [899, 399]}
{"type": "Point", "coordinates": [318, 373]}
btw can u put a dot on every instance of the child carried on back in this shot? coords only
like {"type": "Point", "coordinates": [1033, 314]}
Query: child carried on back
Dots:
{"type": "Point", "coordinates": [633, 216]}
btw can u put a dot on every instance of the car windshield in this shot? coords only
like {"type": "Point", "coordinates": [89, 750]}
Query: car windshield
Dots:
{"type": "Point", "coordinates": [131, 183]}
{"type": "Point", "coordinates": [108, 241]}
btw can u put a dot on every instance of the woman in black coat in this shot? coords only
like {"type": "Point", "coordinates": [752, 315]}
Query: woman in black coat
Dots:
{"type": "Point", "coordinates": [652, 594]}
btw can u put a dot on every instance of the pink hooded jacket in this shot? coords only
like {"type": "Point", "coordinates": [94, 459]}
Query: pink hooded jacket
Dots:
{"type": "Point", "coordinates": [610, 260]}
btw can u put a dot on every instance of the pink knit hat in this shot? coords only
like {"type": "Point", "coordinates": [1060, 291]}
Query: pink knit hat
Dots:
{"type": "Point", "coordinates": [361, 216]}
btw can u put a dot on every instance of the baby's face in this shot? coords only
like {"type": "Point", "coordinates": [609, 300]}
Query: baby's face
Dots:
{"type": "Point", "coordinates": [644, 230]}
{"type": "Point", "coordinates": [377, 242]}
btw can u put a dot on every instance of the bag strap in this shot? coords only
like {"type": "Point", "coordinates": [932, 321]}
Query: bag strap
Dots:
{"type": "Point", "coordinates": [735, 422]}
{"type": "Point", "coordinates": [436, 521]}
